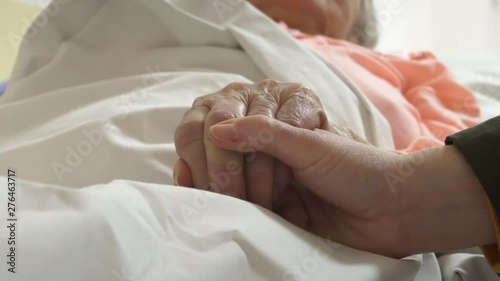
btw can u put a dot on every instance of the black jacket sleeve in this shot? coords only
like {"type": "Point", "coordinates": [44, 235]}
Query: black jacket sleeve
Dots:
{"type": "Point", "coordinates": [480, 146]}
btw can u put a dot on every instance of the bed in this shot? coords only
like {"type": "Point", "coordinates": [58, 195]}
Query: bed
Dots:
{"type": "Point", "coordinates": [91, 145]}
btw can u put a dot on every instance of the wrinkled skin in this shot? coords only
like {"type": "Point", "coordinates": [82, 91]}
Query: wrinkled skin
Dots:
{"type": "Point", "coordinates": [333, 18]}
{"type": "Point", "coordinates": [248, 176]}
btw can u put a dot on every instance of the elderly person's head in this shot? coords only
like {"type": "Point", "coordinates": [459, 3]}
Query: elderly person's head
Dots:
{"type": "Point", "coordinates": [341, 19]}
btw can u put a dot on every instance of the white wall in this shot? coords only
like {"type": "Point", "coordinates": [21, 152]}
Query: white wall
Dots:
{"type": "Point", "coordinates": [443, 26]}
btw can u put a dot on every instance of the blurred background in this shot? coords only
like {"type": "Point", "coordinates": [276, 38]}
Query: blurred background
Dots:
{"type": "Point", "coordinates": [442, 26]}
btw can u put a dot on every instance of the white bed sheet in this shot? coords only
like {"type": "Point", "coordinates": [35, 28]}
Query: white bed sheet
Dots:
{"type": "Point", "coordinates": [100, 91]}
{"type": "Point", "coordinates": [481, 74]}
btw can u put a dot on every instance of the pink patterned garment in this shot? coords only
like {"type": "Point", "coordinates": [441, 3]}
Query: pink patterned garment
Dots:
{"type": "Point", "coordinates": [415, 92]}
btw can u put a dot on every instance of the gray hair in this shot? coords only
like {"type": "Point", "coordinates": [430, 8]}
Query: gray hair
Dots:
{"type": "Point", "coordinates": [365, 30]}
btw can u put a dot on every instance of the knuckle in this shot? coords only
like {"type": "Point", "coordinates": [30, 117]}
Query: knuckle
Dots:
{"type": "Point", "coordinates": [299, 87]}
{"type": "Point", "coordinates": [302, 91]}
{"type": "Point", "coordinates": [266, 107]}
{"type": "Point", "coordinates": [269, 83]}
{"type": "Point", "coordinates": [272, 90]}
{"type": "Point", "coordinates": [202, 101]}
{"type": "Point", "coordinates": [306, 101]}
{"type": "Point", "coordinates": [235, 87]}
{"type": "Point", "coordinates": [296, 91]}
{"type": "Point", "coordinates": [306, 90]}
{"type": "Point", "coordinates": [264, 101]}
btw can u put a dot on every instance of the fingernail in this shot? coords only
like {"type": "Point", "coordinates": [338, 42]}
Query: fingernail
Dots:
{"type": "Point", "coordinates": [223, 133]}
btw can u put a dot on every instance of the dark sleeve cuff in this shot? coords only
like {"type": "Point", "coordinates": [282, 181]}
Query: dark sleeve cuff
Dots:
{"type": "Point", "coordinates": [480, 146]}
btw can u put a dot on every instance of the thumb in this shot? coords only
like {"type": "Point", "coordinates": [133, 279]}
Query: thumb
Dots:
{"type": "Point", "coordinates": [313, 156]}
{"type": "Point", "coordinates": [295, 147]}
{"type": "Point", "coordinates": [331, 166]}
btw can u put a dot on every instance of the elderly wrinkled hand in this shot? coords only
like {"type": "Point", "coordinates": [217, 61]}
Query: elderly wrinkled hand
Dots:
{"type": "Point", "coordinates": [250, 176]}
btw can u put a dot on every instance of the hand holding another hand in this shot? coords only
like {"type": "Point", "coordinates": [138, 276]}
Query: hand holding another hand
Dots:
{"type": "Point", "coordinates": [250, 176]}
{"type": "Point", "coordinates": [330, 183]}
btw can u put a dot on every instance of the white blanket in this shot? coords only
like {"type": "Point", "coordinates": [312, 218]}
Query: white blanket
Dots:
{"type": "Point", "coordinates": [87, 124]}
{"type": "Point", "coordinates": [481, 75]}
